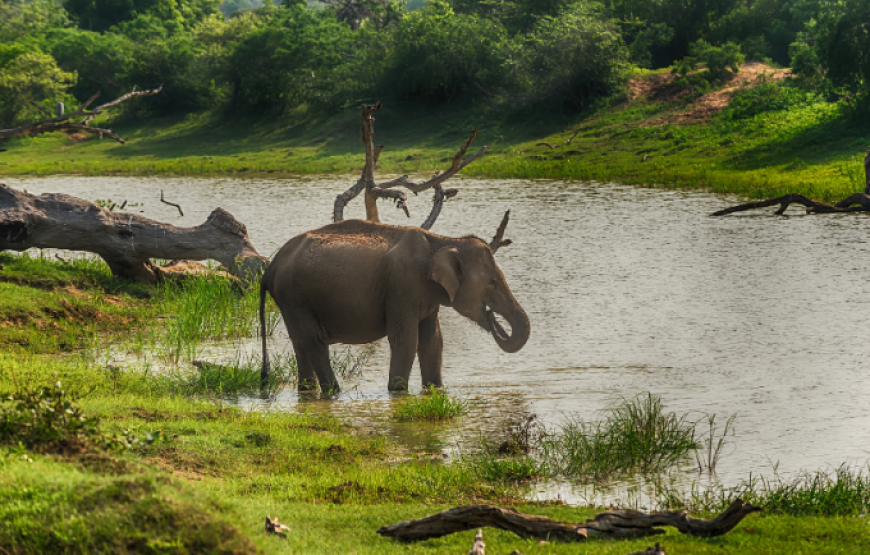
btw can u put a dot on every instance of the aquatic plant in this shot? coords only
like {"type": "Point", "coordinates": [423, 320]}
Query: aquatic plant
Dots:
{"type": "Point", "coordinates": [635, 436]}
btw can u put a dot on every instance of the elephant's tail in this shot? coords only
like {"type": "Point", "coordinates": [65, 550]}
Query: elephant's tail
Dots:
{"type": "Point", "coordinates": [264, 371]}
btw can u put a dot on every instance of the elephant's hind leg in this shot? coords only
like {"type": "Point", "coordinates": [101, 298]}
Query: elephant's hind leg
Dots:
{"type": "Point", "coordinates": [318, 355]}
{"type": "Point", "coordinates": [307, 379]}
{"type": "Point", "coordinates": [429, 350]}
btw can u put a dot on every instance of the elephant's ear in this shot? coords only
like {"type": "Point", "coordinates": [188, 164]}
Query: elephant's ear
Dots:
{"type": "Point", "coordinates": [446, 270]}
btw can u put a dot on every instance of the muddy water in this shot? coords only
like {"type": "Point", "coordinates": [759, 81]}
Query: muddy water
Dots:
{"type": "Point", "coordinates": [628, 291]}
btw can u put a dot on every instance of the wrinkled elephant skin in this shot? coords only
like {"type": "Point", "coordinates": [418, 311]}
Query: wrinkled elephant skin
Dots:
{"type": "Point", "coordinates": [355, 282]}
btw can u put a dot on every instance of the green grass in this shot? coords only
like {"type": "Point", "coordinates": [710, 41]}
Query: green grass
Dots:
{"type": "Point", "coordinates": [805, 145]}
{"type": "Point", "coordinates": [635, 436]}
{"type": "Point", "coordinates": [202, 476]}
{"type": "Point", "coordinates": [433, 404]}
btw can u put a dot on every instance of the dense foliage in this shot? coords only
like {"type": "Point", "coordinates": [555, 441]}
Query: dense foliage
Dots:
{"type": "Point", "coordinates": [268, 57]}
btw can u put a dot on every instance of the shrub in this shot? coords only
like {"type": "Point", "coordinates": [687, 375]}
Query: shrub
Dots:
{"type": "Point", "coordinates": [572, 60]}
{"type": "Point", "coordinates": [766, 97]}
{"type": "Point", "coordinates": [717, 59]}
{"type": "Point", "coordinates": [47, 420]}
{"type": "Point", "coordinates": [439, 54]}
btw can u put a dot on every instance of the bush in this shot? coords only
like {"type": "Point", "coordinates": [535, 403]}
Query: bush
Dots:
{"type": "Point", "coordinates": [571, 61]}
{"type": "Point", "coordinates": [766, 97]}
{"type": "Point", "coordinates": [46, 420]}
{"type": "Point", "coordinates": [717, 59]}
{"type": "Point", "coordinates": [439, 54]}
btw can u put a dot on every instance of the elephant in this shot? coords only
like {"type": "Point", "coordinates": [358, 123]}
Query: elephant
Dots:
{"type": "Point", "coordinates": [357, 281]}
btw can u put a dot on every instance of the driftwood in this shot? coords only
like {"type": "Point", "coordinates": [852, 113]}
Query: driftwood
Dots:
{"type": "Point", "coordinates": [125, 241]}
{"type": "Point", "coordinates": [387, 189]}
{"type": "Point", "coordinates": [862, 200]}
{"type": "Point", "coordinates": [64, 123]}
{"type": "Point", "coordinates": [618, 524]}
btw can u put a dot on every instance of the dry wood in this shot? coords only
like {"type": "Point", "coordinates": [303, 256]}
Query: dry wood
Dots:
{"type": "Point", "coordinates": [618, 524]}
{"type": "Point", "coordinates": [164, 201]}
{"type": "Point", "coordinates": [125, 241]}
{"type": "Point", "coordinates": [862, 200]}
{"type": "Point", "coordinates": [385, 190]}
{"type": "Point", "coordinates": [63, 123]}
{"type": "Point", "coordinates": [559, 145]}
{"type": "Point", "coordinates": [498, 240]}
{"type": "Point", "coordinates": [478, 547]}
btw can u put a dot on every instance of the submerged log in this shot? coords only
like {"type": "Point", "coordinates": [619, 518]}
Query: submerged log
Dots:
{"type": "Point", "coordinates": [858, 202]}
{"type": "Point", "coordinates": [127, 242]}
{"type": "Point", "coordinates": [618, 524]}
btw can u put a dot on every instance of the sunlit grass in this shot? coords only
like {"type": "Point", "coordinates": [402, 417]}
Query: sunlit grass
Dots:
{"type": "Point", "coordinates": [433, 404]}
{"type": "Point", "coordinates": [635, 436]}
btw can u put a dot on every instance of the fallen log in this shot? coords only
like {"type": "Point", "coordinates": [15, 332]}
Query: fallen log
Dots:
{"type": "Point", "coordinates": [127, 242]}
{"type": "Point", "coordinates": [617, 524]}
{"type": "Point", "coordinates": [848, 204]}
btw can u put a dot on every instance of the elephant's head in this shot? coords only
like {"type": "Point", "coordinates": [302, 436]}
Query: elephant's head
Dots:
{"type": "Point", "coordinates": [477, 289]}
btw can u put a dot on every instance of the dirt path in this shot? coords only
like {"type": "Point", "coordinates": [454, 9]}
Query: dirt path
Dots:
{"type": "Point", "coordinates": [661, 88]}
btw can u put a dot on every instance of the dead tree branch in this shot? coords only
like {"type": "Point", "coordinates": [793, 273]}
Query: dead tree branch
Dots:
{"type": "Point", "coordinates": [857, 202]}
{"type": "Point", "coordinates": [164, 201]}
{"type": "Point", "coordinates": [63, 123]}
{"type": "Point", "coordinates": [498, 239]}
{"type": "Point", "coordinates": [559, 145]}
{"type": "Point", "coordinates": [375, 191]}
{"type": "Point", "coordinates": [618, 524]}
{"type": "Point", "coordinates": [127, 242]}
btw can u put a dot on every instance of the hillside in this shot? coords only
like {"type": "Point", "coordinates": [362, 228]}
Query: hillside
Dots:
{"type": "Point", "coordinates": [751, 136]}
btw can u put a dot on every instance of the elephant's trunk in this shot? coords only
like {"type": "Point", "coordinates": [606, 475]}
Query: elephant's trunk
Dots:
{"type": "Point", "coordinates": [520, 329]}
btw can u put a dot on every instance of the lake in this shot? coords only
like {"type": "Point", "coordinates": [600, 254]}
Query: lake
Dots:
{"type": "Point", "coordinates": [628, 291]}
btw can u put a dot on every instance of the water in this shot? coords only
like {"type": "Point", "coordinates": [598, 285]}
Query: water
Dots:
{"type": "Point", "coordinates": [628, 290]}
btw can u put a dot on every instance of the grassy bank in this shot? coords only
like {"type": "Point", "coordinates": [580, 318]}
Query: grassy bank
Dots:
{"type": "Point", "coordinates": [169, 466]}
{"type": "Point", "coordinates": [766, 143]}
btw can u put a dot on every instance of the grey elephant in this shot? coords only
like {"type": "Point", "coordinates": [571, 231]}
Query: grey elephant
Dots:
{"type": "Point", "coordinates": [356, 281]}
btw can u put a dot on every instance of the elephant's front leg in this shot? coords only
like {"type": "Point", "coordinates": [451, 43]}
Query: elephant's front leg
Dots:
{"type": "Point", "coordinates": [403, 349]}
{"type": "Point", "coordinates": [429, 350]}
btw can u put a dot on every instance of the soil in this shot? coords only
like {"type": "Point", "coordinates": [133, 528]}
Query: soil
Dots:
{"type": "Point", "coordinates": [660, 87]}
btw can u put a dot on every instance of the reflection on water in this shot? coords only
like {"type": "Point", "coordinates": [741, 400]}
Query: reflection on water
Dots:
{"type": "Point", "coordinates": [628, 290]}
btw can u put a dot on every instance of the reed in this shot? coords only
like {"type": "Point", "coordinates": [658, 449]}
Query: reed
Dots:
{"type": "Point", "coordinates": [635, 436]}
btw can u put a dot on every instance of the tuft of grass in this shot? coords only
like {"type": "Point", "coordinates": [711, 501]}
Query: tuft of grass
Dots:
{"type": "Point", "coordinates": [433, 404]}
{"type": "Point", "coordinates": [493, 468]}
{"type": "Point", "coordinates": [236, 378]}
{"type": "Point", "coordinates": [208, 307]}
{"type": "Point", "coordinates": [635, 436]}
{"type": "Point", "coordinates": [842, 492]}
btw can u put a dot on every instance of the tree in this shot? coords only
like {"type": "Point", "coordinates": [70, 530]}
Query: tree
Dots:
{"type": "Point", "coordinates": [842, 35]}
{"type": "Point", "coordinates": [28, 76]}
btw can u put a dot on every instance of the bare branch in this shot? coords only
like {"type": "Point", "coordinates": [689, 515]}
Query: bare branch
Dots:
{"type": "Point", "coordinates": [813, 207]}
{"type": "Point", "coordinates": [439, 178]}
{"type": "Point", "coordinates": [164, 201]}
{"type": "Point", "coordinates": [441, 196]}
{"type": "Point", "coordinates": [62, 123]}
{"type": "Point", "coordinates": [345, 197]}
{"type": "Point", "coordinates": [498, 239]}
{"type": "Point", "coordinates": [400, 197]}
{"type": "Point", "coordinates": [558, 145]}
